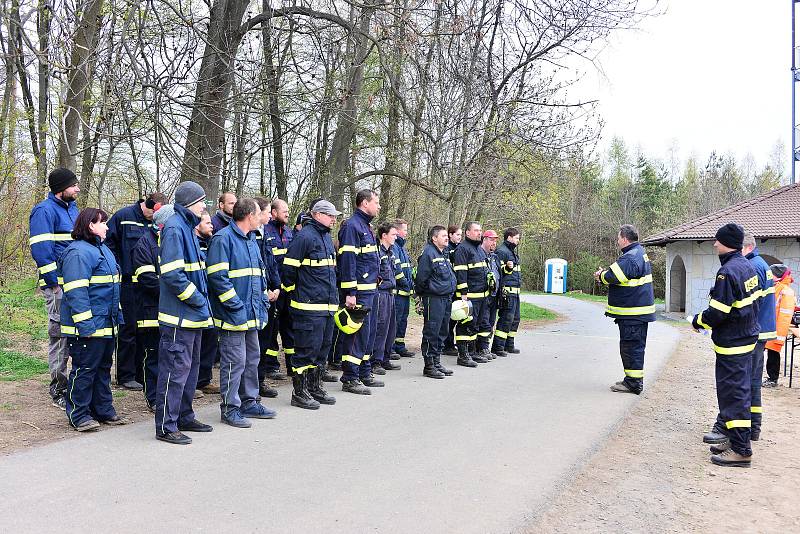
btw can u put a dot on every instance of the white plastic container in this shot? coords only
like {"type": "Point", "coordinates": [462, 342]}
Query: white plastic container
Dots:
{"type": "Point", "coordinates": [555, 276]}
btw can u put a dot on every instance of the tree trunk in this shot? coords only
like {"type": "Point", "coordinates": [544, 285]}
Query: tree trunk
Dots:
{"type": "Point", "coordinates": [44, 15]}
{"type": "Point", "coordinates": [272, 79]}
{"type": "Point", "coordinates": [78, 78]}
{"type": "Point", "coordinates": [337, 167]}
{"type": "Point", "coordinates": [205, 142]}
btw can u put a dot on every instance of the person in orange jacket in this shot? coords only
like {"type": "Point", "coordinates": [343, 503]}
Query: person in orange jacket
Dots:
{"type": "Point", "coordinates": [785, 302]}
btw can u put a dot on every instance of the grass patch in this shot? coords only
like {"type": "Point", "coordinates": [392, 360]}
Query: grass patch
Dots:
{"type": "Point", "coordinates": [119, 394]}
{"type": "Point", "coordinates": [23, 310]}
{"type": "Point", "coordinates": [530, 312]}
{"type": "Point", "coordinates": [8, 406]}
{"type": "Point", "coordinates": [16, 366]}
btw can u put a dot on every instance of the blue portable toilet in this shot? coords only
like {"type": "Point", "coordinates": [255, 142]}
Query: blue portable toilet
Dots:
{"type": "Point", "coordinates": [555, 276]}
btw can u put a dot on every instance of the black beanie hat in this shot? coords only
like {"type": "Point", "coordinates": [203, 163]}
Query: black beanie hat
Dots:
{"type": "Point", "coordinates": [61, 179]}
{"type": "Point", "coordinates": [731, 235]}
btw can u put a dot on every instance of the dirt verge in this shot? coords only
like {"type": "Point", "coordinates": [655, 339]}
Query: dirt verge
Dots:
{"type": "Point", "coordinates": [654, 474]}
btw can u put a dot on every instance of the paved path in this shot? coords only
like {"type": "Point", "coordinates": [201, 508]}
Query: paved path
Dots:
{"type": "Point", "coordinates": [478, 452]}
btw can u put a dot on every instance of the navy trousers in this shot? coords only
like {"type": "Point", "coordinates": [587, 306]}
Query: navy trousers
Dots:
{"type": "Point", "coordinates": [178, 364]}
{"type": "Point", "coordinates": [477, 330]}
{"type": "Point", "coordinates": [129, 352]}
{"type": "Point", "coordinates": [385, 327]}
{"type": "Point", "coordinates": [279, 322]}
{"type": "Point", "coordinates": [313, 338]}
{"type": "Point", "coordinates": [507, 323]}
{"type": "Point", "coordinates": [209, 355]}
{"type": "Point", "coordinates": [89, 383]}
{"type": "Point", "coordinates": [148, 339]}
{"type": "Point", "coordinates": [632, 342]}
{"type": "Point", "coordinates": [436, 317]}
{"type": "Point", "coordinates": [402, 307]}
{"type": "Point", "coordinates": [356, 348]}
{"type": "Point", "coordinates": [732, 372]}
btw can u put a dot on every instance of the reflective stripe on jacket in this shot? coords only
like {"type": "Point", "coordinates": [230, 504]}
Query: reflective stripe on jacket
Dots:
{"type": "Point", "coordinates": [471, 268]}
{"type": "Point", "coordinates": [144, 261]}
{"type": "Point", "coordinates": [358, 255]}
{"type": "Point", "coordinates": [402, 266]}
{"type": "Point", "coordinates": [51, 224]}
{"type": "Point", "coordinates": [732, 313]}
{"type": "Point", "coordinates": [183, 287]}
{"type": "Point", "coordinates": [125, 228]}
{"type": "Point", "coordinates": [630, 281]}
{"type": "Point", "coordinates": [435, 275]}
{"type": "Point", "coordinates": [509, 277]}
{"type": "Point", "coordinates": [308, 273]}
{"type": "Point", "coordinates": [90, 306]}
{"type": "Point", "coordinates": [236, 281]}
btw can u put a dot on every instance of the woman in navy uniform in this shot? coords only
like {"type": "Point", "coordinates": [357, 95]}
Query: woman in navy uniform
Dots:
{"type": "Point", "coordinates": [90, 318]}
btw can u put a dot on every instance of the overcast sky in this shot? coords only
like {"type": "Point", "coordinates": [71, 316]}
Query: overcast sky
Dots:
{"type": "Point", "coordinates": [706, 75]}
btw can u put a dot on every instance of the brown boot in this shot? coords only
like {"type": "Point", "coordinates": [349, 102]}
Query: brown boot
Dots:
{"type": "Point", "coordinates": [731, 458]}
{"type": "Point", "coordinates": [210, 389]}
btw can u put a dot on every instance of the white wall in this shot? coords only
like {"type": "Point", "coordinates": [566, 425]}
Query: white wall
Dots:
{"type": "Point", "coordinates": [702, 265]}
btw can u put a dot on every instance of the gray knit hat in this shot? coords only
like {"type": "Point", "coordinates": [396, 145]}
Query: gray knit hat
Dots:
{"type": "Point", "coordinates": [164, 212]}
{"type": "Point", "coordinates": [189, 193]}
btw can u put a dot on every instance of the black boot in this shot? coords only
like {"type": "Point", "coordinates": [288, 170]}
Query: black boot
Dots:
{"type": "Point", "coordinates": [510, 346]}
{"type": "Point", "coordinates": [389, 366]}
{"type": "Point", "coordinates": [486, 354]}
{"type": "Point", "coordinates": [450, 351]}
{"type": "Point", "coordinates": [267, 391]}
{"type": "Point", "coordinates": [437, 362]}
{"type": "Point", "coordinates": [473, 353]}
{"type": "Point", "coordinates": [498, 349]}
{"type": "Point", "coordinates": [327, 376]}
{"type": "Point", "coordinates": [300, 396]}
{"type": "Point", "coordinates": [430, 369]}
{"type": "Point", "coordinates": [463, 356]}
{"type": "Point", "coordinates": [315, 387]}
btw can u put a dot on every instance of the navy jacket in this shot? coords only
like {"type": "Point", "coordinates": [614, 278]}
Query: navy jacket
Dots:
{"type": "Point", "coordinates": [237, 285]}
{"type": "Point", "coordinates": [766, 298]}
{"type": "Point", "coordinates": [125, 228]}
{"type": "Point", "coordinates": [145, 276]}
{"type": "Point", "coordinates": [471, 268]}
{"type": "Point", "coordinates": [271, 269]}
{"type": "Point", "coordinates": [90, 307]}
{"type": "Point", "coordinates": [402, 266]}
{"type": "Point", "coordinates": [358, 256]}
{"type": "Point", "coordinates": [386, 269]}
{"type": "Point", "coordinates": [220, 220]}
{"type": "Point", "coordinates": [630, 281]}
{"type": "Point", "coordinates": [435, 275]}
{"type": "Point", "coordinates": [183, 287]}
{"type": "Point", "coordinates": [309, 271]}
{"type": "Point", "coordinates": [279, 237]}
{"type": "Point", "coordinates": [51, 224]}
{"type": "Point", "coordinates": [509, 278]}
{"type": "Point", "coordinates": [732, 313]}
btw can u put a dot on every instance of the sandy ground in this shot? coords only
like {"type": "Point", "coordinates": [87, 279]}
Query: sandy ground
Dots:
{"type": "Point", "coordinates": [654, 475]}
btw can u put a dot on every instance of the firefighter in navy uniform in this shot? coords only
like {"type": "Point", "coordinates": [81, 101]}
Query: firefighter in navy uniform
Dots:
{"type": "Point", "coordinates": [631, 304]}
{"type": "Point", "coordinates": [472, 337]}
{"type": "Point", "coordinates": [508, 316]}
{"type": "Point", "coordinates": [384, 311]}
{"type": "Point", "coordinates": [272, 276]}
{"type": "Point", "coordinates": [209, 345]}
{"type": "Point", "coordinates": [145, 280]}
{"type": "Point", "coordinates": [358, 283]}
{"type": "Point", "coordinates": [435, 284]}
{"type": "Point", "coordinates": [125, 228]}
{"type": "Point", "coordinates": [278, 235]}
{"type": "Point", "coordinates": [454, 237]}
{"type": "Point", "coordinates": [404, 289]}
{"type": "Point", "coordinates": [767, 326]}
{"type": "Point", "coordinates": [308, 274]}
{"type": "Point", "coordinates": [732, 317]}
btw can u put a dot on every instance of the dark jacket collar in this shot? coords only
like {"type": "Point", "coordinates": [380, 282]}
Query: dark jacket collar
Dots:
{"type": "Point", "coordinates": [400, 242]}
{"type": "Point", "coordinates": [630, 247]}
{"type": "Point", "coordinates": [321, 228]}
{"type": "Point", "coordinates": [725, 258]}
{"type": "Point", "coordinates": [753, 254]}
{"type": "Point", "coordinates": [190, 218]}
{"type": "Point", "coordinates": [60, 202]}
{"type": "Point", "coordinates": [472, 242]}
{"type": "Point", "coordinates": [360, 213]}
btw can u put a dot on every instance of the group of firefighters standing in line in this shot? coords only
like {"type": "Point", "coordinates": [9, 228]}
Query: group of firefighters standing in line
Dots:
{"type": "Point", "coordinates": [163, 282]}
{"type": "Point", "coordinates": [745, 315]}
{"type": "Point", "coordinates": [152, 284]}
